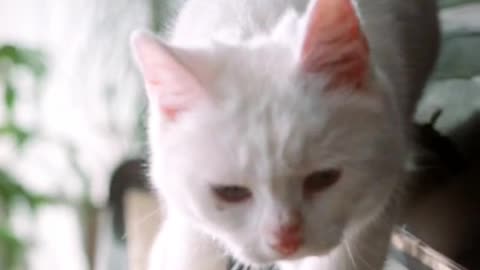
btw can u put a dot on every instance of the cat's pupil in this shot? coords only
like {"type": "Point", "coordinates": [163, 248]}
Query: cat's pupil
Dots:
{"type": "Point", "coordinates": [232, 194]}
{"type": "Point", "coordinates": [321, 180]}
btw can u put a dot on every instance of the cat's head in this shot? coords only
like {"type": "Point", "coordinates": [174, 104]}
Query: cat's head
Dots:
{"type": "Point", "coordinates": [276, 148]}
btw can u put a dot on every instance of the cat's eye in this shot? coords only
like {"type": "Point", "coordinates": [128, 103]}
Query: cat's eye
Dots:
{"type": "Point", "coordinates": [232, 194]}
{"type": "Point", "coordinates": [321, 180]}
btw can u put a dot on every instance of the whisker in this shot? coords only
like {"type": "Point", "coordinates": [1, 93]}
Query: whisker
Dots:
{"type": "Point", "coordinates": [329, 260]}
{"type": "Point", "coordinates": [349, 252]}
{"type": "Point", "coordinates": [363, 260]}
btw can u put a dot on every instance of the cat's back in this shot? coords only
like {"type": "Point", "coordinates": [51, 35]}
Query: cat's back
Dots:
{"type": "Point", "coordinates": [404, 38]}
{"type": "Point", "coordinates": [229, 21]}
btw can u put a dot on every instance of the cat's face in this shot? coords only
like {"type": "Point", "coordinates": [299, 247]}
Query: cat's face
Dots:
{"type": "Point", "coordinates": [271, 152]}
{"type": "Point", "coordinates": [271, 157]}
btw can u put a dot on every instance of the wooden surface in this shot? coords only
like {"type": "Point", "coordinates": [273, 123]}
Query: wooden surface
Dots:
{"type": "Point", "coordinates": [142, 223]}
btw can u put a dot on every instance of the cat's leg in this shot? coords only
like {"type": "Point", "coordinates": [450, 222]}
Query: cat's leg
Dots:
{"type": "Point", "coordinates": [365, 252]}
{"type": "Point", "coordinates": [178, 246]}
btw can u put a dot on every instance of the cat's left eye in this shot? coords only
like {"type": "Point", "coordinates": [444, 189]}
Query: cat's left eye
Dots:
{"type": "Point", "coordinates": [232, 194]}
{"type": "Point", "coordinates": [321, 180]}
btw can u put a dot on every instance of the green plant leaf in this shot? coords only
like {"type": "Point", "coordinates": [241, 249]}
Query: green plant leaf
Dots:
{"type": "Point", "coordinates": [13, 248]}
{"type": "Point", "coordinates": [454, 3]}
{"type": "Point", "coordinates": [20, 135]}
{"type": "Point", "coordinates": [29, 58]}
{"type": "Point", "coordinates": [459, 57]}
{"type": "Point", "coordinates": [11, 190]}
{"type": "Point", "coordinates": [10, 96]}
{"type": "Point", "coordinates": [6, 235]}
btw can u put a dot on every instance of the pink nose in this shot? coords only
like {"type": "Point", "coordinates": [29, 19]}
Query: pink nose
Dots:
{"type": "Point", "coordinates": [288, 238]}
{"type": "Point", "coordinates": [288, 246]}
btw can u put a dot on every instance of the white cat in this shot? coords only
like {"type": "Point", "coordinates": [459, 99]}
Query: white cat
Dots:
{"type": "Point", "coordinates": [277, 129]}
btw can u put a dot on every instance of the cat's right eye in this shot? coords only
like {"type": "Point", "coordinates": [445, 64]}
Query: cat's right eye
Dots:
{"type": "Point", "coordinates": [232, 194]}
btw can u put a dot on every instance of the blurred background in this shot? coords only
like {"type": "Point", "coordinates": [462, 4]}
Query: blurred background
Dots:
{"type": "Point", "coordinates": [72, 114]}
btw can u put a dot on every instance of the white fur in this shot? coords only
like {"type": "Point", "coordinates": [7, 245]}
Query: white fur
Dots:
{"type": "Point", "coordinates": [265, 125]}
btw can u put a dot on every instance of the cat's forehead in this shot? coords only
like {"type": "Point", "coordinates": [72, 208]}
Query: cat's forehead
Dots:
{"type": "Point", "coordinates": [257, 65]}
{"type": "Point", "coordinates": [263, 81]}
{"type": "Point", "coordinates": [264, 108]}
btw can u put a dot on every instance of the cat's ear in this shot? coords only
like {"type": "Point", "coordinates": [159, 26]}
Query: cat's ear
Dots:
{"type": "Point", "coordinates": [170, 86]}
{"type": "Point", "coordinates": [333, 43]}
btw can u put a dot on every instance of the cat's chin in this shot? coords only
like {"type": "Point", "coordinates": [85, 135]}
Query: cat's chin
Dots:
{"type": "Point", "coordinates": [258, 260]}
{"type": "Point", "coordinates": [255, 260]}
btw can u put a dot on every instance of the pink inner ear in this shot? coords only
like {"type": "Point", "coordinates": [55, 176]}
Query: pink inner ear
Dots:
{"type": "Point", "coordinates": [334, 43]}
{"type": "Point", "coordinates": [169, 84]}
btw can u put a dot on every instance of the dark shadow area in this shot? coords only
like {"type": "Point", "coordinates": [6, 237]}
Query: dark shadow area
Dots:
{"type": "Point", "coordinates": [444, 206]}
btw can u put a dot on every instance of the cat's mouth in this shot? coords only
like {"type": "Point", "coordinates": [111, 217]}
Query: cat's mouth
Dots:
{"type": "Point", "coordinates": [269, 258]}
{"type": "Point", "coordinates": [262, 256]}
